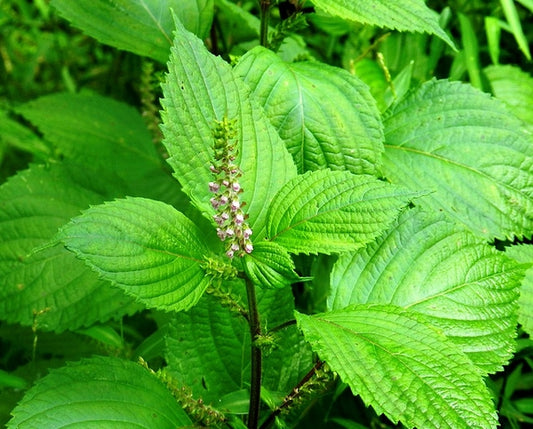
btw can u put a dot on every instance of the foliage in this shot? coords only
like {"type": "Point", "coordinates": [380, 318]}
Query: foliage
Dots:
{"type": "Point", "coordinates": [266, 213]}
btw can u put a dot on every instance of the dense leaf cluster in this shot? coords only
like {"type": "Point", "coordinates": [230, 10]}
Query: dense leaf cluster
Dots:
{"type": "Point", "coordinates": [375, 211]}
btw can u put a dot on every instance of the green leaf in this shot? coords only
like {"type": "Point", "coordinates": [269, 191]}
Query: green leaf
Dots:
{"type": "Point", "coordinates": [102, 134]}
{"type": "Point", "coordinates": [429, 265]}
{"type": "Point", "coordinates": [21, 137]}
{"type": "Point", "coordinates": [143, 27]}
{"type": "Point", "coordinates": [270, 266]}
{"type": "Point", "coordinates": [515, 88]}
{"type": "Point", "coordinates": [101, 392]}
{"type": "Point", "coordinates": [96, 131]}
{"type": "Point", "coordinates": [200, 89]}
{"type": "Point", "coordinates": [449, 138]}
{"type": "Point", "coordinates": [340, 131]}
{"type": "Point", "coordinates": [524, 255]}
{"type": "Point", "coordinates": [208, 347]}
{"type": "Point", "coordinates": [511, 14]}
{"type": "Point", "coordinates": [401, 366]}
{"type": "Point", "coordinates": [328, 211]}
{"type": "Point", "coordinates": [401, 15]}
{"type": "Point", "coordinates": [52, 284]}
{"type": "Point", "coordinates": [147, 248]}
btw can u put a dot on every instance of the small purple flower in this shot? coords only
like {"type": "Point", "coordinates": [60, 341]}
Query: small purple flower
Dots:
{"type": "Point", "coordinates": [214, 187]}
{"type": "Point", "coordinates": [225, 183]}
{"type": "Point", "coordinates": [215, 203]}
{"type": "Point", "coordinates": [235, 205]}
{"type": "Point", "coordinates": [223, 200]}
{"type": "Point", "coordinates": [247, 233]}
{"type": "Point", "coordinates": [230, 254]}
{"type": "Point", "coordinates": [221, 234]}
{"type": "Point", "coordinates": [239, 219]}
{"type": "Point", "coordinates": [230, 232]}
{"type": "Point", "coordinates": [248, 248]}
{"type": "Point", "coordinates": [235, 187]}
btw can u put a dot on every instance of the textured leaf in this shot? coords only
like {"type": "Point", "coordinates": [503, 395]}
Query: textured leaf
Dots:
{"type": "Point", "coordinates": [53, 283]}
{"type": "Point", "coordinates": [515, 88]}
{"type": "Point", "coordinates": [401, 366]}
{"type": "Point", "coordinates": [143, 27]}
{"type": "Point", "coordinates": [104, 134]}
{"type": "Point", "coordinates": [454, 140]}
{"type": "Point", "coordinates": [340, 131]}
{"type": "Point", "coordinates": [270, 266]}
{"type": "Point", "coordinates": [208, 347]}
{"type": "Point", "coordinates": [328, 211]}
{"type": "Point", "coordinates": [524, 255]}
{"type": "Point", "coordinates": [101, 392]}
{"type": "Point", "coordinates": [149, 249]}
{"type": "Point", "coordinates": [200, 89]}
{"type": "Point", "coordinates": [425, 263]}
{"type": "Point", "coordinates": [402, 15]}
{"type": "Point", "coordinates": [96, 131]}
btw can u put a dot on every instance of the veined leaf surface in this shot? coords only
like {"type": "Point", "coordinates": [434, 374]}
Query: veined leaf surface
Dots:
{"type": "Point", "coordinates": [201, 88]}
{"type": "Point", "coordinates": [101, 392]}
{"type": "Point", "coordinates": [342, 131]}
{"type": "Point", "coordinates": [402, 15]}
{"type": "Point", "coordinates": [208, 347]}
{"type": "Point", "coordinates": [401, 366]}
{"type": "Point", "coordinates": [143, 27]}
{"type": "Point", "coordinates": [148, 248]}
{"type": "Point", "coordinates": [52, 283]}
{"type": "Point", "coordinates": [328, 211]}
{"type": "Point", "coordinates": [524, 254]}
{"type": "Point", "coordinates": [270, 266]}
{"type": "Point", "coordinates": [515, 88]}
{"type": "Point", "coordinates": [449, 138]}
{"type": "Point", "coordinates": [426, 263]}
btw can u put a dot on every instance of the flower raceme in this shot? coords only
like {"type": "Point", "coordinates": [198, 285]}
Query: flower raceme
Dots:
{"type": "Point", "coordinates": [230, 218]}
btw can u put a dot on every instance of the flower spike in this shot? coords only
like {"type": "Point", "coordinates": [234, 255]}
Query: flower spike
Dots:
{"type": "Point", "coordinates": [230, 218]}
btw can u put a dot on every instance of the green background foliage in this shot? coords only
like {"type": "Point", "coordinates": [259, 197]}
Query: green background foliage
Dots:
{"type": "Point", "coordinates": [387, 174]}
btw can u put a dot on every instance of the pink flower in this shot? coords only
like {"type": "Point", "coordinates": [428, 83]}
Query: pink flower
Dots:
{"type": "Point", "coordinates": [239, 219]}
{"type": "Point", "coordinates": [247, 233]}
{"type": "Point", "coordinates": [214, 187]}
{"type": "Point", "coordinates": [248, 248]}
{"type": "Point", "coordinates": [235, 205]}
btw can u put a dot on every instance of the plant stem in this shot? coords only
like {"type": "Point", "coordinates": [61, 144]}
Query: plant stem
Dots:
{"type": "Point", "coordinates": [288, 400]}
{"type": "Point", "coordinates": [255, 332]}
{"type": "Point", "coordinates": [265, 17]}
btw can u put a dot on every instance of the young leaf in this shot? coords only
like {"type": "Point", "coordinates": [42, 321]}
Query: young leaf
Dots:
{"type": "Point", "coordinates": [200, 89]}
{"type": "Point", "coordinates": [454, 140]}
{"type": "Point", "coordinates": [515, 88]}
{"type": "Point", "coordinates": [52, 288]}
{"type": "Point", "coordinates": [524, 254]}
{"type": "Point", "coordinates": [342, 131]}
{"type": "Point", "coordinates": [143, 27]}
{"type": "Point", "coordinates": [101, 392]}
{"type": "Point", "coordinates": [401, 366]}
{"type": "Point", "coordinates": [148, 248]}
{"type": "Point", "coordinates": [270, 266]}
{"type": "Point", "coordinates": [328, 211]}
{"type": "Point", "coordinates": [425, 263]}
{"type": "Point", "coordinates": [401, 15]}
{"type": "Point", "coordinates": [208, 347]}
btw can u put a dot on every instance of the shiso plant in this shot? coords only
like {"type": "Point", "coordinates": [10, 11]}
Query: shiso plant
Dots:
{"type": "Point", "coordinates": [309, 220]}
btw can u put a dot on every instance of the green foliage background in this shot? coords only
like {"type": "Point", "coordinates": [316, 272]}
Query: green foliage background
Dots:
{"type": "Point", "coordinates": [80, 126]}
